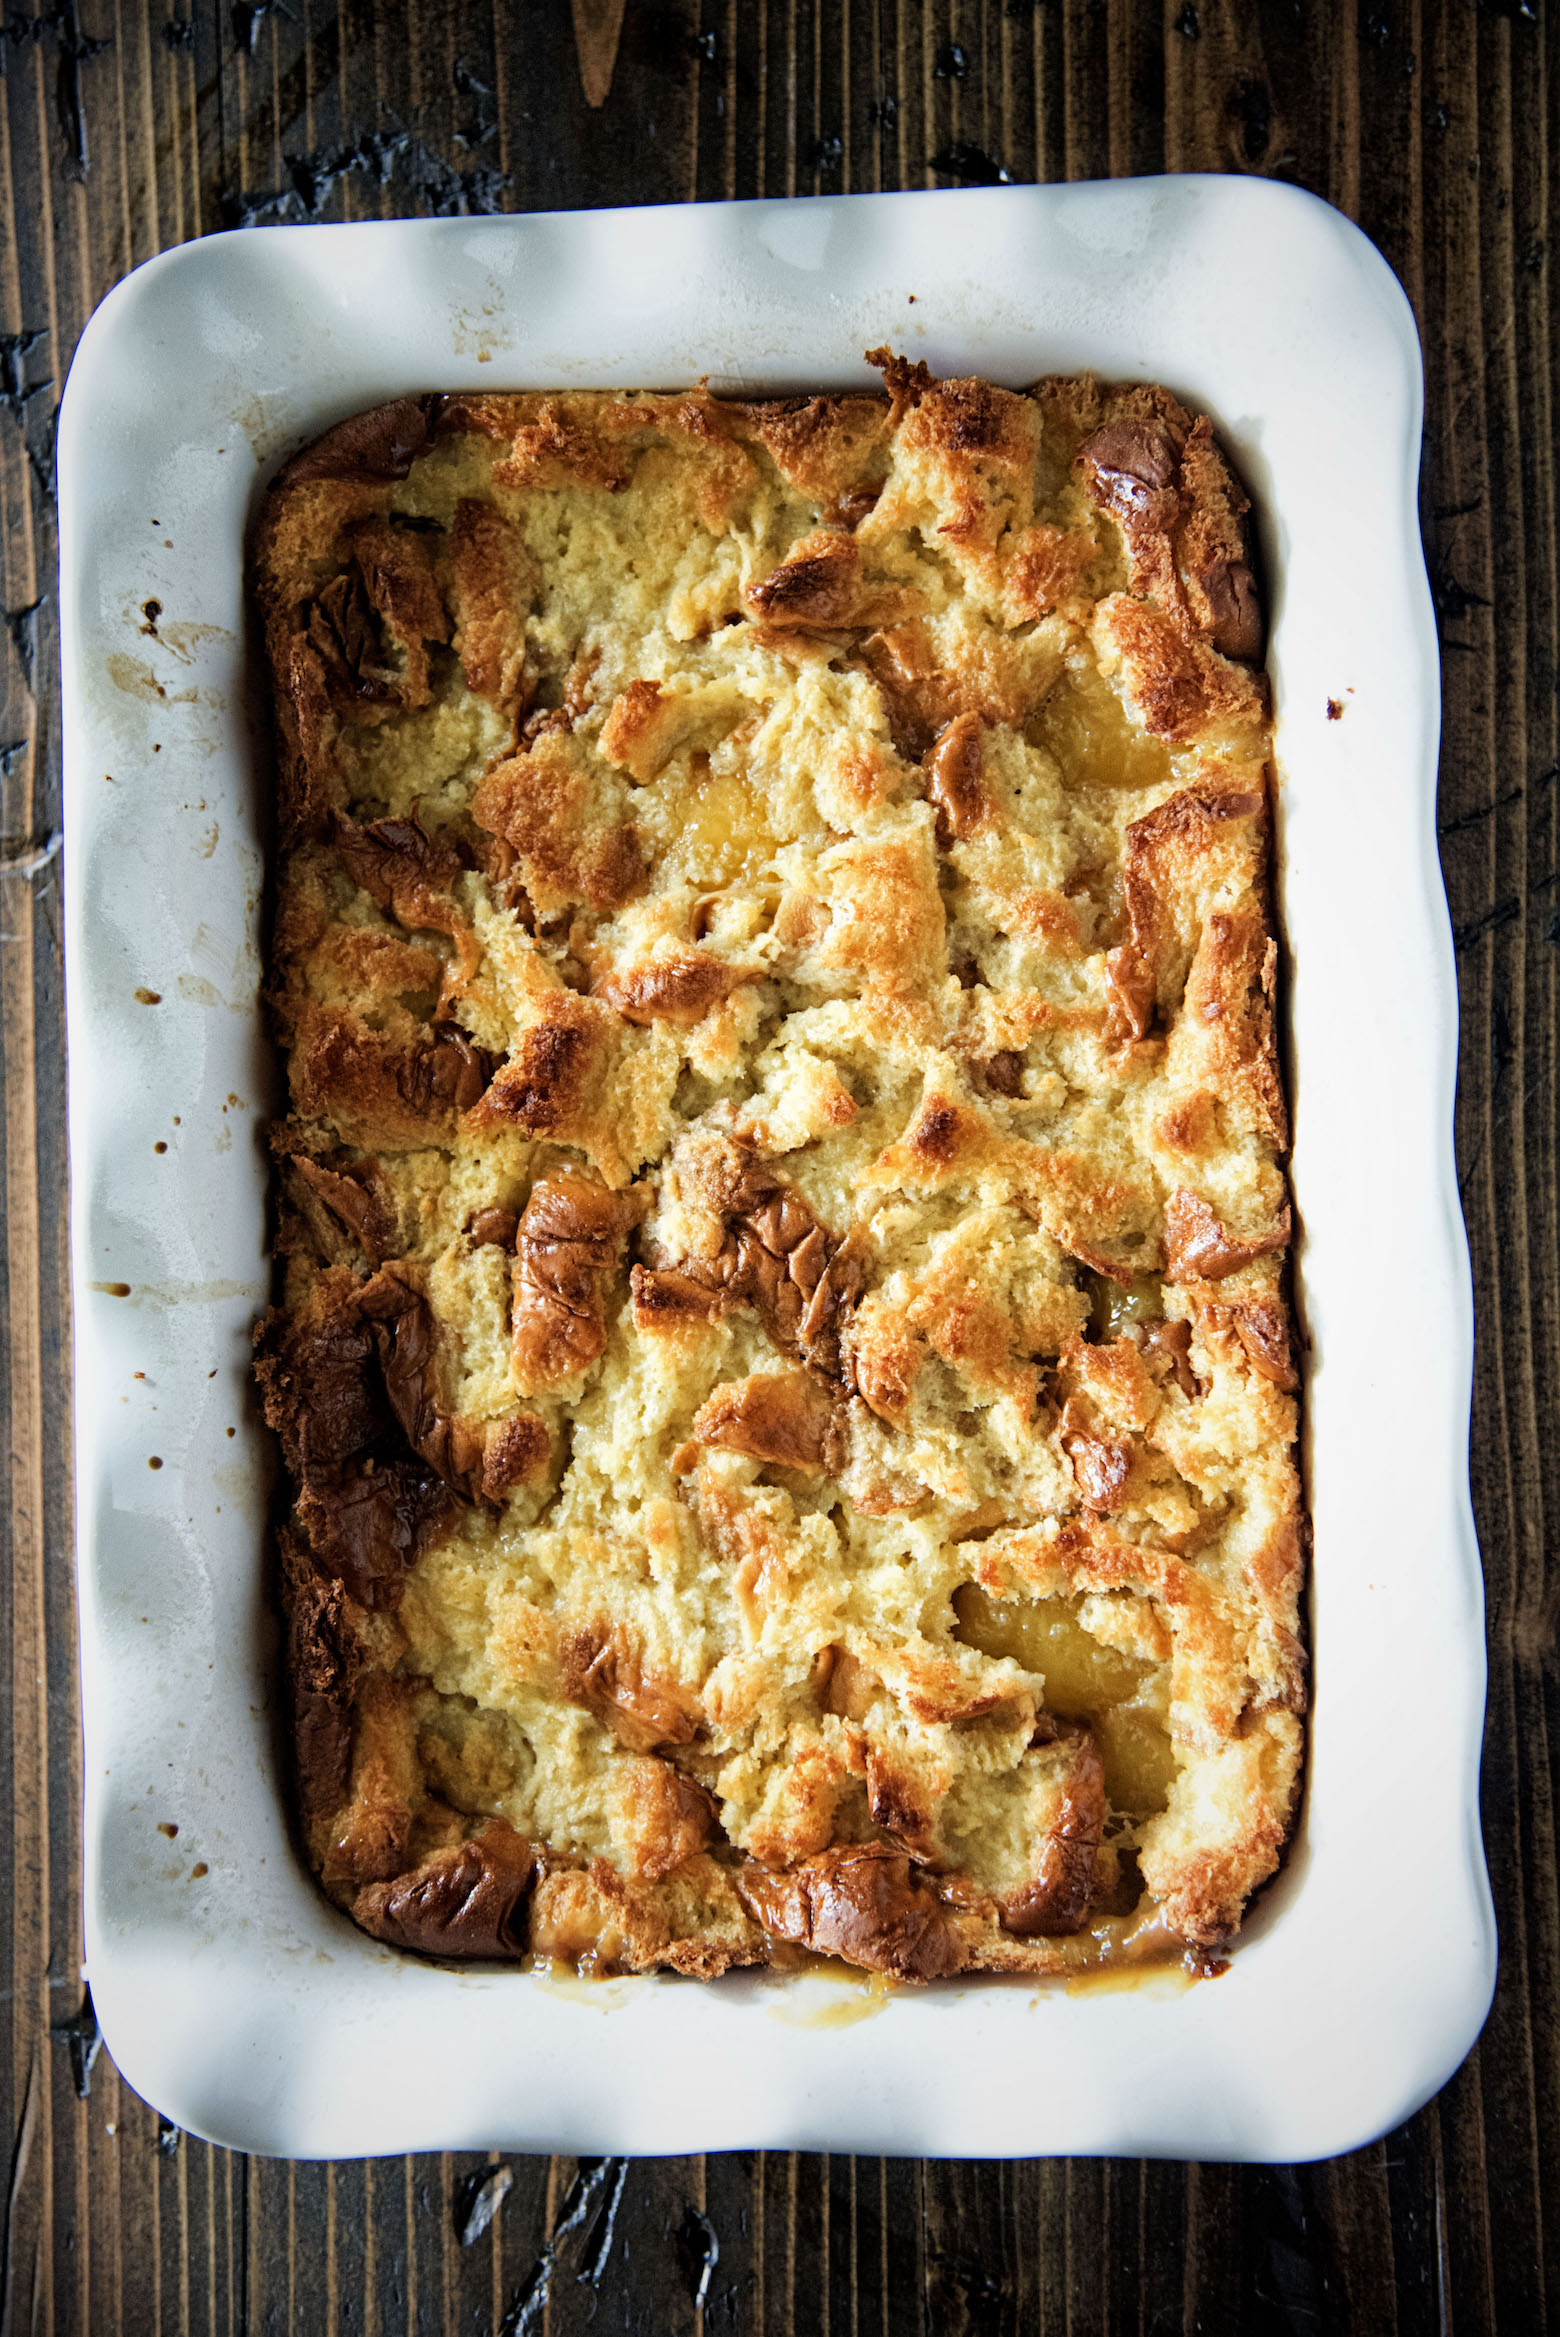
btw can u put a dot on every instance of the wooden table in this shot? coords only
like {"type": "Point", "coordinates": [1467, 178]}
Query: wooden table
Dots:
{"type": "Point", "coordinates": [129, 125]}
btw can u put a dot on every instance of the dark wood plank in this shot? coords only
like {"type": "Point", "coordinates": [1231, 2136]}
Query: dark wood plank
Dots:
{"type": "Point", "coordinates": [129, 125]}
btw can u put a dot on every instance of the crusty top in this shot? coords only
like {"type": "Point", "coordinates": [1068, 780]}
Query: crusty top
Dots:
{"type": "Point", "coordinates": [783, 1362]}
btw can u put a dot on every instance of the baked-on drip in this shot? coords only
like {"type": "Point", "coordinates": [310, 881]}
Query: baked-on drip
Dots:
{"type": "Point", "coordinates": [783, 1363]}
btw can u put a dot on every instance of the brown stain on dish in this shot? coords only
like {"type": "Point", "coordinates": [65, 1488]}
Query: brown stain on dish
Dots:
{"type": "Point", "coordinates": [135, 676]}
{"type": "Point", "coordinates": [855, 1994]}
{"type": "Point", "coordinates": [182, 634]}
{"type": "Point", "coordinates": [176, 1293]}
{"type": "Point", "coordinates": [1170, 1976]}
{"type": "Point", "coordinates": [579, 1983]}
{"type": "Point", "coordinates": [863, 2004]}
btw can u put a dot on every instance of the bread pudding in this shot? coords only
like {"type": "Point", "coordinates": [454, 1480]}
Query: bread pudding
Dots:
{"type": "Point", "coordinates": [783, 1357]}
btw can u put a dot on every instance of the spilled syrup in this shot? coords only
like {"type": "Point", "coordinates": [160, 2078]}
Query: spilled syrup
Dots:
{"type": "Point", "coordinates": [580, 1983]}
{"type": "Point", "coordinates": [1129, 1952]}
{"type": "Point", "coordinates": [1160, 1976]}
{"type": "Point", "coordinates": [861, 1995]}
{"type": "Point", "coordinates": [1121, 1954]}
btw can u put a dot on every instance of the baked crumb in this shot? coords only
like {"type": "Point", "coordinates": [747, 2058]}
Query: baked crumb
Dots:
{"type": "Point", "coordinates": [783, 1356]}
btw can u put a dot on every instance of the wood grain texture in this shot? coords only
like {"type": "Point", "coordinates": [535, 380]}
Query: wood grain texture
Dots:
{"type": "Point", "coordinates": [129, 125]}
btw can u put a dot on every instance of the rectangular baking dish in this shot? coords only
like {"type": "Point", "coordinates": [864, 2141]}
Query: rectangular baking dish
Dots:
{"type": "Point", "coordinates": [231, 1994]}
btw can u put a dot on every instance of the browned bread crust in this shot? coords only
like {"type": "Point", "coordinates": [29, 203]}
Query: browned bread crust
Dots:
{"type": "Point", "coordinates": [783, 1357]}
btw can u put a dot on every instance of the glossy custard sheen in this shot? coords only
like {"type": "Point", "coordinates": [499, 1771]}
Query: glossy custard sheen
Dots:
{"type": "Point", "coordinates": [784, 1361]}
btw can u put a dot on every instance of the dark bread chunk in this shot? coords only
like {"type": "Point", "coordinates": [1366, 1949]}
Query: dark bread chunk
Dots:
{"type": "Point", "coordinates": [1262, 1328]}
{"type": "Point", "coordinates": [544, 1087]}
{"type": "Point", "coordinates": [777, 1258]}
{"type": "Point", "coordinates": [1197, 1245]}
{"type": "Point", "coordinates": [665, 1298]}
{"type": "Point", "coordinates": [492, 585]}
{"type": "Point", "coordinates": [1003, 1072]}
{"type": "Point", "coordinates": [1173, 1340]}
{"type": "Point", "coordinates": [381, 444]}
{"type": "Point", "coordinates": [403, 591]}
{"type": "Point", "coordinates": [1130, 468]}
{"type": "Point", "coordinates": [955, 769]}
{"type": "Point", "coordinates": [817, 584]}
{"type": "Point", "coordinates": [383, 1088]}
{"type": "Point", "coordinates": [849, 509]}
{"type": "Point", "coordinates": [325, 1658]}
{"type": "Point", "coordinates": [470, 1900]}
{"type": "Point", "coordinates": [820, 446]}
{"type": "Point", "coordinates": [671, 1817]}
{"type": "Point", "coordinates": [1130, 985]}
{"type": "Point", "coordinates": [398, 864]}
{"type": "Point", "coordinates": [365, 1506]}
{"type": "Point", "coordinates": [602, 1668]}
{"type": "Point", "coordinates": [568, 1246]}
{"type": "Point", "coordinates": [368, 628]}
{"type": "Point", "coordinates": [354, 1394]}
{"type": "Point", "coordinates": [679, 987]}
{"type": "Point", "coordinates": [544, 806]}
{"type": "Point", "coordinates": [1056, 1901]}
{"type": "Point", "coordinates": [343, 631]}
{"type": "Point", "coordinates": [1236, 607]}
{"type": "Point", "coordinates": [897, 1801]}
{"type": "Point", "coordinates": [864, 1901]}
{"type": "Point", "coordinates": [923, 693]}
{"type": "Point", "coordinates": [603, 1921]}
{"type": "Point", "coordinates": [1158, 846]}
{"type": "Point", "coordinates": [1228, 1009]}
{"type": "Point", "coordinates": [307, 727]}
{"type": "Point", "coordinates": [320, 1392]}
{"type": "Point", "coordinates": [907, 381]}
{"type": "Point", "coordinates": [456, 1069]}
{"type": "Point", "coordinates": [1260, 1325]}
{"type": "Point", "coordinates": [1100, 1467]}
{"type": "Point", "coordinates": [350, 1204]}
{"type": "Point", "coordinates": [787, 1418]}
{"type": "Point", "coordinates": [406, 1336]}
{"type": "Point", "coordinates": [1161, 477]}
{"type": "Point", "coordinates": [368, 1522]}
{"type": "Point", "coordinates": [478, 1461]}
{"type": "Point", "coordinates": [369, 1838]}
{"type": "Point", "coordinates": [494, 1226]}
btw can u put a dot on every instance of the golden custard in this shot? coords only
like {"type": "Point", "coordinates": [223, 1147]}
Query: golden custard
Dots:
{"type": "Point", "coordinates": [783, 1357]}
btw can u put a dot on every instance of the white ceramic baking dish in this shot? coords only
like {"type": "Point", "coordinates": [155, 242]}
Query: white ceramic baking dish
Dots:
{"type": "Point", "coordinates": [231, 1994]}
